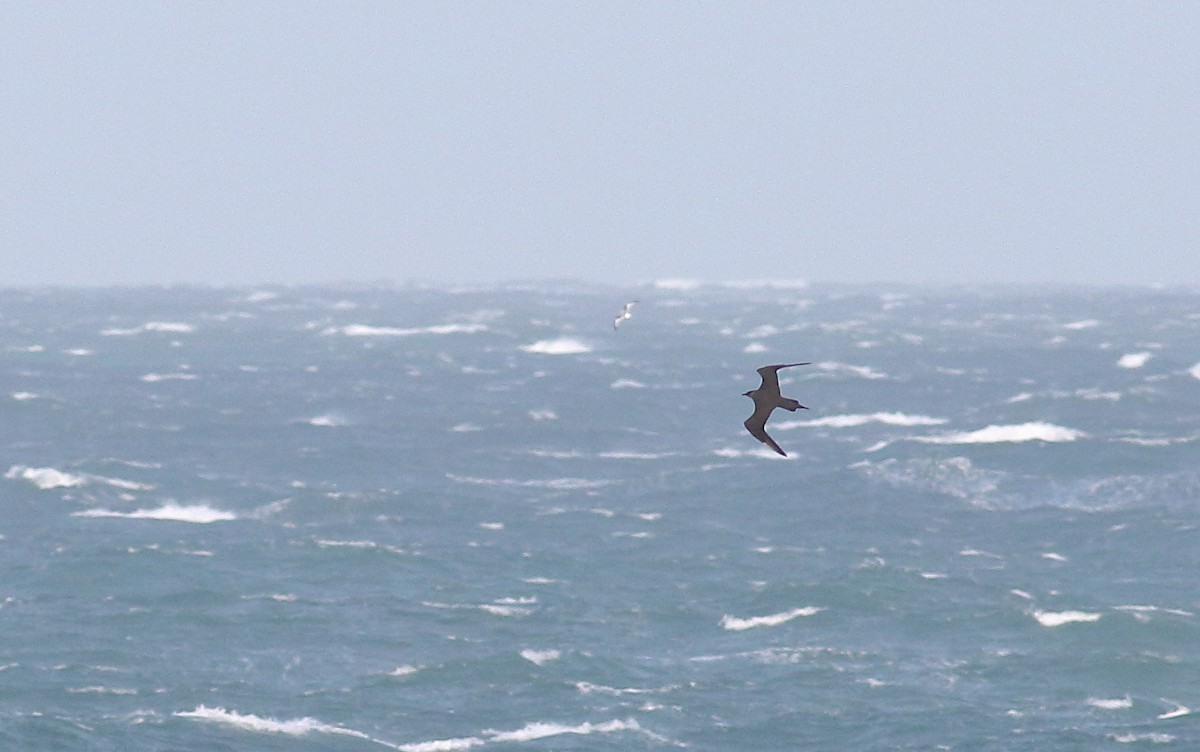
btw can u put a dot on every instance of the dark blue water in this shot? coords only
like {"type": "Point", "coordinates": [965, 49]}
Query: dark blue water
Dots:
{"type": "Point", "coordinates": [433, 519]}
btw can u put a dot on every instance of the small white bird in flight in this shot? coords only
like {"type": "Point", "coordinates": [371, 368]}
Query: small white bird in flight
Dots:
{"type": "Point", "coordinates": [766, 398]}
{"type": "Point", "coordinates": [626, 313]}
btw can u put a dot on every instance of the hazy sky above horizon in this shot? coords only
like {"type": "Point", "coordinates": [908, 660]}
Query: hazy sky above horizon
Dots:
{"type": "Point", "coordinates": [306, 142]}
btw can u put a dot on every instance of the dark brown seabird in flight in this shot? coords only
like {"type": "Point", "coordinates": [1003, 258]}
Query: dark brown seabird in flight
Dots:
{"type": "Point", "coordinates": [766, 398]}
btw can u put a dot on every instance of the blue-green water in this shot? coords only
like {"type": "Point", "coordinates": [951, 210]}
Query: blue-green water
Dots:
{"type": "Point", "coordinates": [433, 519]}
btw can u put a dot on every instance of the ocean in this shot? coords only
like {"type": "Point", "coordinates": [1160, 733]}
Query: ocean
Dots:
{"type": "Point", "coordinates": [432, 518]}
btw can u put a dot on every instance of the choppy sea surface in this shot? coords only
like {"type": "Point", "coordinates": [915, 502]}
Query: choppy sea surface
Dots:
{"type": "Point", "coordinates": [425, 519]}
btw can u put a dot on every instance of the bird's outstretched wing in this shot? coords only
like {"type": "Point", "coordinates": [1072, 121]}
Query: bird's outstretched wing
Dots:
{"type": "Point", "coordinates": [756, 424]}
{"type": "Point", "coordinates": [770, 374]}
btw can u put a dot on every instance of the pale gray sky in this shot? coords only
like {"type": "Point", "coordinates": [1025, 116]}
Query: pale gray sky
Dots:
{"type": "Point", "coordinates": [301, 142]}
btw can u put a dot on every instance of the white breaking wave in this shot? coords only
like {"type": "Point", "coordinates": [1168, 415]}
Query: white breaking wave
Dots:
{"type": "Point", "coordinates": [365, 330]}
{"type": "Point", "coordinates": [169, 512]}
{"type": "Point", "coordinates": [853, 421]}
{"type": "Point", "coordinates": [735, 624]}
{"type": "Point", "coordinates": [540, 657]}
{"type": "Point", "coordinates": [1194, 371]}
{"type": "Point", "coordinates": [1059, 618]}
{"type": "Point", "coordinates": [1084, 324]}
{"type": "Point", "coordinates": [731, 453]}
{"type": "Point", "coordinates": [155, 377]}
{"type": "Point", "coordinates": [328, 420]}
{"type": "Point", "coordinates": [1134, 360]}
{"type": "Point", "coordinates": [559, 346]}
{"type": "Point", "coordinates": [45, 478]}
{"type": "Point", "coordinates": [293, 727]}
{"type": "Point", "coordinates": [1033, 431]}
{"type": "Point", "coordinates": [1131, 738]}
{"type": "Point", "coordinates": [632, 384]}
{"type": "Point", "coordinates": [1120, 703]}
{"type": "Point", "coordinates": [1178, 712]}
{"type": "Point", "coordinates": [527, 733]}
{"type": "Point", "coordinates": [865, 372]}
{"type": "Point", "coordinates": [558, 484]}
{"type": "Point", "coordinates": [169, 327]}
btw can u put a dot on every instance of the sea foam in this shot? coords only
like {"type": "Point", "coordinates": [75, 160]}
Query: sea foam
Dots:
{"type": "Point", "coordinates": [166, 327]}
{"type": "Point", "coordinates": [1134, 360]}
{"type": "Point", "coordinates": [855, 420]}
{"type": "Point", "coordinates": [998, 434]}
{"type": "Point", "coordinates": [735, 624]}
{"type": "Point", "coordinates": [365, 330]}
{"type": "Point", "coordinates": [169, 512]}
{"type": "Point", "coordinates": [559, 346]}
{"type": "Point", "coordinates": [258, 724]}
{"type": "Point", "coordinates": [45, 478]}
{"type": "Point", "coordinates": [1059, 618]}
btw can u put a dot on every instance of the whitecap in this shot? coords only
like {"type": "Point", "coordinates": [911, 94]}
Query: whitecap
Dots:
{"type": "Point", "coordinates": [865, 372]}
{"type": "Point", "coordinates": [540, 657]}
{"type": "Point", "coordinates": [557, 484]}
{"type": "Point", "coordinates": [169, 327]}
{"type": "Point", "coordinates": [855, 420]}
{"type": "Point", "coordinates": [735, 624]}
{"type": "Point", "coordinates": [1131, 738]}
{"type": "Point", "coordinates": [754, 348]}
{"type": "Point", "coordinates": [1083, 324]}
{"type": "Point", "coordinates": [1178, 712]}
{"type": "Point", "coordinates": [763, 452]}
{"type": "Point", "coordinates": [406, 670]}
{"type": "Point", "coordinates": [45, 478]}
{"type": "Point", "coordinates": [505, 609]}
{"type": "Point", "coordinates": [632, 384]}
{"type": "Point", "coordinates": [169, 512]}
{"type": "Point", "coordinates": [324, 543]}
{"type": "Point", "coordinates": [1194, 371]}
{"type": "Point", "coordinates": [995, 434]}
{"type": "Point", "coordinates": [327, 420]}
{"type": "Point", "coordinates": [1059, 618]}
{"type": "Point", "coordinates": [588, 688]}
{"type": "Point", "coordinates": [766, 330]}
{"type": "Point", "coordinates": [443, 745]}
{"type": "Point", "coordinates": [101, 690]}
{"type": "Point", "coordinates": [559, 346]}
{"type": "Point", "coordinates": [293, 727]}
{"type": "Point", "coordinates": [1142, 613]}
{"type": "Point", "coordinates": [1134, 360]}
{"type": "Point", "coordinates": [24, 396]}
{"type": "Point", "coordinates": [156, 377]}
{"type": "Point", "coordinates": [365, 330]}
{"type": "Point", "coordinates": [543, 415]}
{"type": "Point", "coordinates": [542, 730]}
{"type": "Point", "coordinates": [1119, 703]}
